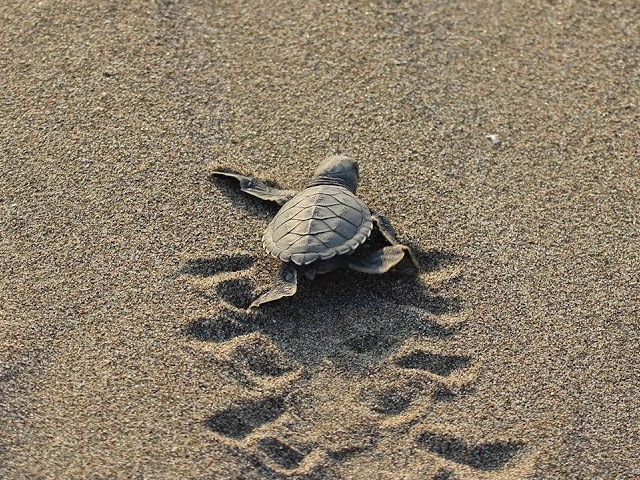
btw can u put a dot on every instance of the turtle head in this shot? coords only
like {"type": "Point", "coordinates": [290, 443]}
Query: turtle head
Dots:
{"type": "Point", "coordinates": [337, 170]}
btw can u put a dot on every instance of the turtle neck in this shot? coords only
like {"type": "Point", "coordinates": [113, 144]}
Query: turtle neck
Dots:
{"type": "Point", "coordinates": [326, 180]}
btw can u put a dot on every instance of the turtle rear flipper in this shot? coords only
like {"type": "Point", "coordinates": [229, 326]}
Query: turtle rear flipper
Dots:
{"type": "Point", "coordinates": [388, 232]}
{"type": "Point", "coordinates": [380, 261]}
{"type": "Point", "coordinates": [255, 187]}
{"type": "Point", "coordinates": [285, 285]}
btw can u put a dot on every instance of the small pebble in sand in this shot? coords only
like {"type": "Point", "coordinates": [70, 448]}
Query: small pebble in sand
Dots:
{"type": "Point", "coordinates": [495, 140]}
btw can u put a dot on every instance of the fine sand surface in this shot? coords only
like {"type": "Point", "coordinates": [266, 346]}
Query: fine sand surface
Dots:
{"type": "Point", "coordinates": [125, 352]}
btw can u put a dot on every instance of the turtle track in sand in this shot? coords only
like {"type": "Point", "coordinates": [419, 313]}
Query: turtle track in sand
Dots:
{"type": "Point", "coordinates": [288, 359]}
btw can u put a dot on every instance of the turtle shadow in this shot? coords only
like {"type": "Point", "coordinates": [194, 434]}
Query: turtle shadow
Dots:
{"type": "Point", "coordinates": [346, 315]}
{"type": "Point", "coordinates": [360, 318]}
{"type": "Point", "coordinates": [433, 260]}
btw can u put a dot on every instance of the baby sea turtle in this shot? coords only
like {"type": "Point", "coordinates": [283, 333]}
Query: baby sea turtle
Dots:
{"type": "Point", "coordinates": [318, 229]}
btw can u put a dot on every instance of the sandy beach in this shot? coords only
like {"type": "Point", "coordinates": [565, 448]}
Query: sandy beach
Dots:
{"type": "Point", "coordinates": [500, 138]}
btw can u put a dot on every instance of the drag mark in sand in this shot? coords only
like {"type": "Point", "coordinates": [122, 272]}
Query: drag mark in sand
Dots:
{"type": "Point", "coordinates": [220, 328]}
{"type": "Point", "coordinates": [253, 359]}
{"type": "Point", "coordinates": [209, 267]}
{"type": "Point", "coordinates": [442, 365]}
{"type": "Point", "coordinates": [278, 356]}
{"type": "Point", "coordinates": [282, 454]}
{"type": "Point", "coordinates": [482, 456]}
{"type": "Point", "coordinates": [240, 421]}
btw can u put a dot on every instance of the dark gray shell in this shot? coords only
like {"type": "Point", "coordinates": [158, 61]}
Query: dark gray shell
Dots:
{"type": "Point", "coordinates": [318, 223]}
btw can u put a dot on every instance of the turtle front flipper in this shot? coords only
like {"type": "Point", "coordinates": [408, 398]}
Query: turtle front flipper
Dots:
{"type": "Point", "coordinates": [380, 261]}
{"type": "Point", "coordinates": [285, 285]}
{"type": "Point", "coordinates": [257, 188]}
{"type": "Point", "coordinates": [387, 231]}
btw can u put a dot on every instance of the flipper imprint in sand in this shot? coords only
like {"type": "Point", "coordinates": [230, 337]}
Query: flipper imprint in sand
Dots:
{"type": "Point", "coordinates": [294, 421]}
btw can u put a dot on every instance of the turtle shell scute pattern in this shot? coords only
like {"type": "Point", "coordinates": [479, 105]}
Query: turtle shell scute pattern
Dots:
{"type": "Point", "coordinates": [317, 224]}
